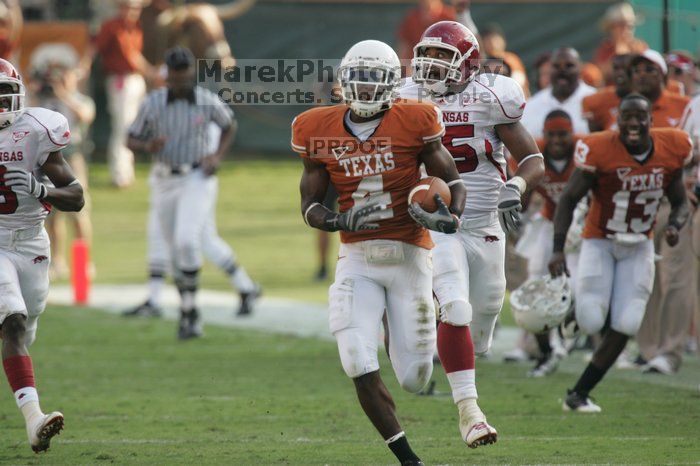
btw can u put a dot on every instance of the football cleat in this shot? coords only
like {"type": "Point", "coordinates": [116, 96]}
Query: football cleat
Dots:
{"type": "Point", "coordinates": [473, 426]}
{"type": "Point", "coordinates": [576, 402]}
{"type": "Point", "coordinates": [144, 310]}
{"type": "Point", "coordinates": [658, 365]}
{"type": "Point", "coordinates": [190, 325]}
{"type": "Point", "coordinates": [545, 366]}
{"type": "Point", "coordinates": [43, 430]}
{"type": "Point", "coordinates": [479, 433]}
{"type": "Point", "coordinates": [248, 301]}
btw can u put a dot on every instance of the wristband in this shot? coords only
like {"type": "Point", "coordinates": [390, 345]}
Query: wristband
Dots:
{"type": "Point", "coordinates": [454, 182]}
{"type": "Point", "coordinates": [519, 183]}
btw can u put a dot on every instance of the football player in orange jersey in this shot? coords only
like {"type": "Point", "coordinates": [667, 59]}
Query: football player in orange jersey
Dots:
{"type": "Point", "coordinates": [371, 153]}
{"type": "Point", "coordinates": [600, 108]}
{"type": "Point", "coordinates": [628, 173]}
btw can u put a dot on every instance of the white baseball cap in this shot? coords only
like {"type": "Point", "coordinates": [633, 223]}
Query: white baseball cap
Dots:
{"type": "Point", "coordinates": [652, 56]}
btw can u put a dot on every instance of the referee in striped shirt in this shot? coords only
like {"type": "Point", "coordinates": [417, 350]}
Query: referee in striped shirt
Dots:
{"type": "Point", "coordinates": [173, 124]}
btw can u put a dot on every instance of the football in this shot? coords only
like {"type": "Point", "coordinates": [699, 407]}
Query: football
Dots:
{"type": "Point", "coordinates": [424, 193]}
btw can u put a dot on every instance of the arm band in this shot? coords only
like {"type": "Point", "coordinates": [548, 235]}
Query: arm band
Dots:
{"type": "Point", "coordinates": [538, 155]}
{"type": "Point", "coordinates": [306, 213]}
{"type": "Point", "coordinates": [454, 182]}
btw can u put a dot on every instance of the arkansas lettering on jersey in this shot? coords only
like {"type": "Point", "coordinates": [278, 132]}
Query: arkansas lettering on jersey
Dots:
{"type": "Point", "coordinates": [469, 118]}
{"type": "Point", "coordinates": [25, 145]}
{"type": "Point", "coordinates": [627, 193]}
{"type": "Point", "coordinates": [382, 169]}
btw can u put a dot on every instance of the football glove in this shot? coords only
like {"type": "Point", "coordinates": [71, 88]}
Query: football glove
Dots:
{"type": "Point", "coordinates": [509, 207]}
{"type": "Point", "coordinates": [358, 217]}
{"type": "Point", "coordinates": [441, 220]}
{"type": "Point", "coordinates": [24, 182]}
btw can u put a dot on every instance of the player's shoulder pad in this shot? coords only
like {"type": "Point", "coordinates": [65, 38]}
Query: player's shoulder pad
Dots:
{"type": "Point", "coordinates": [421, 118]}
{"type": "Point", "coordinates": [504, 95]}
{"type": "Point", "coordinates": [310, 123]}
{"type": "Point", "coordinates": [51, 125]}
{"type": "Point", "coordinates": [591, 149]}
{"type": "Point", "coordinates": [679, 143]}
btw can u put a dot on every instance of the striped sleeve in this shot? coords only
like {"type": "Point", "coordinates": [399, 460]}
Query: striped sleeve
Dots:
{"type": "Point", "coordinates": [143, 127]}
{"type": "Point", "coordinates": [221, 114]}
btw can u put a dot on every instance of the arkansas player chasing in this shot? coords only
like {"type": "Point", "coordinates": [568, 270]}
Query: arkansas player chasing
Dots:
{"type": "Point", "coordinates": [481, 113]}
{"type": "Point", "coordinates": [371, 153]}
{"type": "Point", "coordinates": [628, 172]}
{"type": "Point", "coordinates": [30, 139]}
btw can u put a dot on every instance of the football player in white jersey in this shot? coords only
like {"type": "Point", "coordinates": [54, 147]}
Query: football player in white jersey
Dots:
{"type": "Point", "coordinates": [30, 139]}
{"type": "Point", "coordinates": [481, 113]}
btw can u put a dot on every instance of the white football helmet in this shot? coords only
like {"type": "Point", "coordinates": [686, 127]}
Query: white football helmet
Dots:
{"type": "Point", "coordinates": [369, 74]}
{"type": "Point", "coordinates": [541, 303]}
{"type": "Point", "coordinates": [11, 100]}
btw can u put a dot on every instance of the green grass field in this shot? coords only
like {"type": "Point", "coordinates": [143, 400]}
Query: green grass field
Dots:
{"type": "Point", "coordinates": [132, 394]}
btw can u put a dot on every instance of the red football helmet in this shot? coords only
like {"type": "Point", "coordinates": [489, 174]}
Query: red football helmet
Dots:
{"type": "Point", "coordinates": [436, 74]}
{"type": "Point", "coordinates": [12, 96]}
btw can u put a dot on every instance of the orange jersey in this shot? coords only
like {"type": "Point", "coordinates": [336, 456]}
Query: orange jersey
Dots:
{"type": "Point", "coordinates": [552, 184]}
{"type": "Point", "coordinates": [626, 194]}
{"type": "Point", "coordinates": [384, 168]}
{"type": "Point", "coordinates": [601, 108]}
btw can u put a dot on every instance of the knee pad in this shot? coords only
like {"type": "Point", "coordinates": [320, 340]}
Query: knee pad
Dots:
{"type": "Point", "coordinates": [630, 318]}
{"type": "Point", "coordinates": [457, 313]}
{"type": "Point", "coordinates": [354, 357]}
{"type": "Point", "coordinates": [591, 313]}
{"type": "Point", "coordinates": [416, 375]}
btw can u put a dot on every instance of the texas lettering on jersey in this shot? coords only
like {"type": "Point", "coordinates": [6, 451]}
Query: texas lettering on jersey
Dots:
{"type": "Point", "coordinates": [382, 169]}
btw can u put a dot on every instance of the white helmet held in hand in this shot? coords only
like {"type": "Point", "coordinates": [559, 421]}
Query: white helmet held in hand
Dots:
{"type": "Point", "coordinates": [541, 303]}
{"type": "Point", "coordinates": [369, 74]}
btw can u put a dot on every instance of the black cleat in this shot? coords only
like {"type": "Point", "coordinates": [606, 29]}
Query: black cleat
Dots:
{"type": "Point", "coordinates": [582, 404]}
{"type": "Point", "coordinates": [190, 326]}
{"type": "Point", "coordinates": [144, 310]}
{"type": "Point", "coordinates": [248, 301]}
{"type": "Point", "coordinates": [322, 274]}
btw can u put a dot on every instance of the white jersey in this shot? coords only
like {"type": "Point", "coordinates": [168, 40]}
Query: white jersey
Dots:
{"type": "Point", "coordinates": [470, 136]}
{"type": "Point", "coordinates": [25, 145]}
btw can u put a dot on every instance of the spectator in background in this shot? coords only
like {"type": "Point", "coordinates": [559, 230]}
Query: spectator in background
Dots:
{"type": "Point", "coordinates": [670, 308]}
{"type": "Point", "coordinates": [618, 25]}
{"type": "Point", "coordinates": [55, 79]}
{"type": "Point", "coordinates": [543, 70]}
{"type": "Point", "coordinates": [464, 15]}
{"type": "Point", "coordinates": [417, 20]}
{"type": "Point", "coordinates": [600, 109]}
{"type": "Point", "coordinates": [11, 22]}
{"type": "Point", "coordinates": [493, 43]}
{"type": "Point", "coordinates": [565, 93]}
{"type": "Point", "coordinates": [119, 44]}
{"type": "Point", "coordinates": [681, 67]}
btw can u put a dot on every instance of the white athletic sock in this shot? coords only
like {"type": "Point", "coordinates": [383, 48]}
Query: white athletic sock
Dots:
{"type": "Point", "coordinates": [241, 281]}
{"type": "Point", "coordinates": [27, 400]}
{"type": "Point", "coordinates": [463, 384]}
{"type": "Point", "coordinates": [470, 409]}
{"type": "Point", "coordinates": [155, 289]}
{"type": "Point", "coordinates": [188, 300]}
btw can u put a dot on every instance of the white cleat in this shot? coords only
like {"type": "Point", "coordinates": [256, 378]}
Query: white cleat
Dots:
{"type": "Point", "coordinates": [581, 404]}
{"type": "Point", "coordinates": [479, 433]}
{"type": "Point", "coordinates": [473, 426]}
{"type": "Point", "coordinates": [43, 430]}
